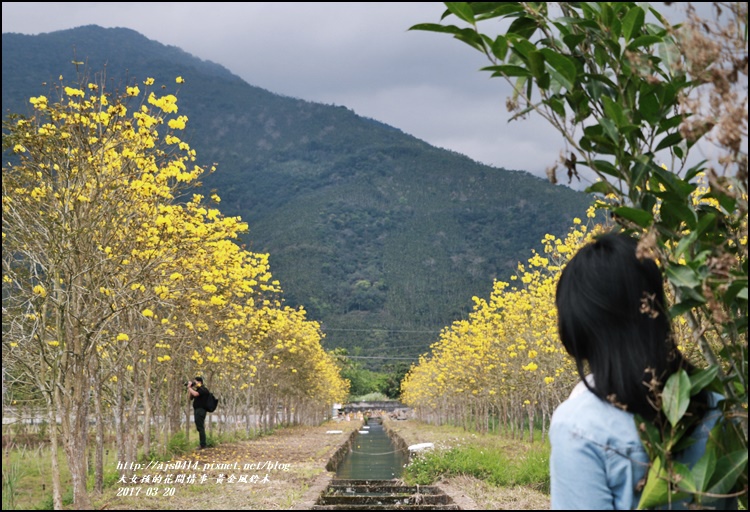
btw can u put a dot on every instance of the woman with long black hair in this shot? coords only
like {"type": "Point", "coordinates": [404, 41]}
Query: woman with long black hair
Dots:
{"type": "Point", "coordinates": [613, 321]}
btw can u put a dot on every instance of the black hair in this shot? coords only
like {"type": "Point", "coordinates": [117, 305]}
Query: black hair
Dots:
{"type": "Point", "coordinates": [612, 314]}
{"type": "Point", "coordinates": [199, 379]}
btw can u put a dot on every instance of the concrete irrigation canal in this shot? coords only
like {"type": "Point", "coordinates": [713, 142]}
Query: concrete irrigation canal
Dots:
{"type": "Point", "coordinates": [368, 470]}
{"type": "Point", "coordinates": [373, 455]}
{"type": "Point", "coordinates": [382, 495]}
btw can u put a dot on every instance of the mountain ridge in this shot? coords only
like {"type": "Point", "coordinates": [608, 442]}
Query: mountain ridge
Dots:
{"type": "Point", "coordinates": [373, 230]}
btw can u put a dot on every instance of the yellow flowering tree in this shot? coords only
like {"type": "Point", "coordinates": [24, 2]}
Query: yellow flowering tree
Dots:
{"type": "Point", "coordinates": [92, 237]}
{"type": "Point", "coordinates": [87, 170]}
{"type": "Point", "coordinates": [118, 287]}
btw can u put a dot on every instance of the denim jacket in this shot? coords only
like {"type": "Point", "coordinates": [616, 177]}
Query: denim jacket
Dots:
{"type": "Point", "coordinates": [597, 458]}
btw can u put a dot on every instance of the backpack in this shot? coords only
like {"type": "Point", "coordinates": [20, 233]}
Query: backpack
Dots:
{"type": "Point", "coordinates": [211, 402]}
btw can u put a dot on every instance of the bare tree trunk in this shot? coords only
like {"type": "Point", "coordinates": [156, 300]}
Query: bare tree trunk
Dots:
{"type": "Point", "coordinates": [120, 425]}
{"type": "Point", "coordinates": [177, 397]}
{"type": "Point", "coordinates": [131, 418]}
{"type": "Point", "coordinates": [54, 448]}
{"type": "Point", "coordinates": [189, 420]}
{"type": "Point", "coordinates": [74, 386]}
{"type": "Point", "coordinates": [99, 413]}
{"type": "Point", "coordinates": [531, 424]}
{"type": "Point", "coordinates": [147, 410]}
{"type": "Point", "coordinates": [249, 409]}
{"type": "Point", "coordinates": [75, 430]}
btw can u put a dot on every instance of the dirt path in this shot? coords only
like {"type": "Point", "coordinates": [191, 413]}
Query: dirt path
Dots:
{"type": "Point", "coordinates": [282, 471]}
{"type": "Point", "coordinates": [277, 471]}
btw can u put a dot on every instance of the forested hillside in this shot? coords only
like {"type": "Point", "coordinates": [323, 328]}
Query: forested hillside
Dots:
{"type": "Point", "coordinates": [383, 238]}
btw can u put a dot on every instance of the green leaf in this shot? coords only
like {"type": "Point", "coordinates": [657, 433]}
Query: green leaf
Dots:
{"type": "Point", "coordinates": [670, 54]}
{"type": "Point", "coordinates": [679, 151]}
{"type": "Point", "coordinates": [466, 35]}
{"type": "Point", "coordinates": [643, 41]}
{"type": "Point", "coordinates": [487, 10]}
{"type": "Point", "coordinates": [668, 123]}
{"type": "Point", "coordinates": [639, 173]}
{"type": "Point", "coordinates": [702, 378]}
{"type": "Point", "coordinates": [640, 217]}
{"type": "Point", "coordinates": [704, 468]}
{"type": "Point", "coordinates": [595, 136]}
{"type": "Point", "coordinates": [601, 56]}
{"type": "Point", "coordinates": [648, 107]}
{"type": "Point", "coordinates": [673, 213]}
{"type": "Point", "coordinates": [573, 40]}
{"type": "Point", "coordinates": [596, 88]}
{"type": "Point", "coordinates": [656, 490]}
{"type": "Point", "coordinates": [462, 10]}
{"type": "Point", "coordinates": [670, 140]}
{"type": "Point", "coordinates": [500, 47]}
{"type": "Point", "coordinates": [728, 469]}
{"type": "Point", "coordinates": [522, 46]}
{"type": "Point", "coordinates": [693, 294]}
{"type": "Point", "coordinates": [563, 65]}
{"type": "Point", "coordinates": [739, 389]}
{"type": "Point", "coordinates": [686, 480]}
{"type": "Point", "coordinates": [705, 221]}
{"type": "Point", "coordinates": [676, 396]}
{"type": "Point", "coordinates": [609, 128]}
{"type": "Point", "coordinates": [632, 22]}
{"type": "Point", "coordinates": [557, 106]}
{"type": "Point", "coordinates": [649, 434]}
{"type": "Point", "coordinates": [436, 27]}
{"type": "Point", "coordinates": [579, 102]}
{"type": "Point", "coordinates": [616, 28]}
{"type": "Point", "coordinates": [673, 183]}
{"type": "Point", "coordinates": [613, 110]}
{"type": "Point", "coordinates": [683, 307]}
{"type": "Point", "coordinates": [682, 275]}
{"type": "Point", "coordinates": [600, 187]}
{"type": "Point", "coordinates": [602, 166]}
{"type": "Point", "coordinates": [507, 70]}
{"type": "Point", "coordinates": [536, 66]}
{"type": "Point", "coordinates": [523, 26]}
{"type": "Point", "coordinates": [685, 244]}
{"type": "Point", "coordinates": [736, 290]}
{"type": "Point", "coordinates": [580, 23]}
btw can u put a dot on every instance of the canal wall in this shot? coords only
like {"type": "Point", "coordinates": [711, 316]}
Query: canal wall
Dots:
{"type": "Point", "coordinates": [398, 443]}
{"type": "Point", "coordinates": [343, 450]}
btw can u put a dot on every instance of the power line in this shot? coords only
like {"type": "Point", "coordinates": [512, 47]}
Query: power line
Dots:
{"type": "Point", "coordinates": [382, 357]}
{"type": "Point", "coordinates": [417, 344]}
{"type": "Point", "coordinates": [325, 329]}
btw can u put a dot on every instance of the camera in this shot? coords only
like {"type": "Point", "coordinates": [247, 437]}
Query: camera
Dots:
{"type": "Point", "coordinates": [187, 383]}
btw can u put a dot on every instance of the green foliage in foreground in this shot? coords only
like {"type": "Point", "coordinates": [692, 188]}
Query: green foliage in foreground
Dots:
{"type": "Point", "coordinates": [633, 96]}
{"type": "Point", "coordinates": [493, 465]}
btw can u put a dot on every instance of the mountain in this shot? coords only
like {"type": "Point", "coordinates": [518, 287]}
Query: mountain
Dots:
{"type": "Point", "coordinates": [382, 237]}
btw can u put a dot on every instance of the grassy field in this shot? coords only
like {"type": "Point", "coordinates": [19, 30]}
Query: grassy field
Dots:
{"type": "Point", "coordinates": [496, 471]}
{"type": "Point", "coordinates": [27, 474]}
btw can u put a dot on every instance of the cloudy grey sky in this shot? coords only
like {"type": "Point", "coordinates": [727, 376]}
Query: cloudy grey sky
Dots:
{"type": "Point", "coordinates": [359, 55]}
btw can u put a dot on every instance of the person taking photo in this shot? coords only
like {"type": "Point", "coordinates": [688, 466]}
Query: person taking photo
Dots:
{"type": "Point", "coordinates": [199, 394]}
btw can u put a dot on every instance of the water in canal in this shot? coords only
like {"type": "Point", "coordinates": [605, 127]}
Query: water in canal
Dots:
{"type": "Point", "coordinates": [373, 456]}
